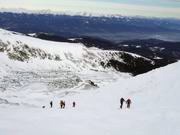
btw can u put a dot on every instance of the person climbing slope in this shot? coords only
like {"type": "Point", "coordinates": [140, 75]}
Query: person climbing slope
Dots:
{"type": "Point", "coordinates": [62, 104]}
{"type": "Point", "coordinates": [51, 104]}
{"type": "Point", "coordinates": [128, 102]}
{"type": "Point", "coordinates": [74, 104]}
{"type": "Point", "coordinates": [121, 102]}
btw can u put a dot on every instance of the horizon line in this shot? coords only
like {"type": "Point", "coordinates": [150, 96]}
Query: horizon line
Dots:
{"type": "Point", "coordinates": [73, 13]}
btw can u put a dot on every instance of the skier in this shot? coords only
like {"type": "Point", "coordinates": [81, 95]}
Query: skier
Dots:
{"type": "Point", "coordinates": [62, 104]}
{"type": "Point", "coordinates": [128, 102]}
{"type": "Point", "coordinates": [74, 104]}
{"type": "Point", "coordinates": [121, 102]}
{"type": "Point", "coordinates": [51, 104]}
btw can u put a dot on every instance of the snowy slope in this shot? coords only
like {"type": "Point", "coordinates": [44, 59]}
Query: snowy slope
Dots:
{"type": "Point", "coordinates": [155, 109]}
{"type": "Point", "coordinates": [72, 55]}
{"type": "Point", "coordinates": [26, 60]}
{"type": "Point", "coordinates": [29, 81]}
{"type": "Point", "coordinates": [66, 56]}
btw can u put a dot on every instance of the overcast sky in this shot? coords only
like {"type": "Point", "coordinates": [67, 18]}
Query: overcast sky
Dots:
{"type": "Point", "coordinates": [154, 8]}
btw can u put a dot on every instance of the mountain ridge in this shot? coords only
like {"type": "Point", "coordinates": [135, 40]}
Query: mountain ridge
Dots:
{"type": "Point", "coordinates": [61, 65]}
{"type": "Point", "coordinates": [87, 14]}
{"type": "Point", "coordinates": [113, 29]}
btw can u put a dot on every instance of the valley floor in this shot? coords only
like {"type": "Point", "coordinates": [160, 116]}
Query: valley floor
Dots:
{"type": "Point", "coordinates": [155, 110]}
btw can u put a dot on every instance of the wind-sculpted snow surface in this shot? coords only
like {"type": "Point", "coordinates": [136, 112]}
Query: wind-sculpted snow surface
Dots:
{"type": "Point", "coordinates": [154, 110]}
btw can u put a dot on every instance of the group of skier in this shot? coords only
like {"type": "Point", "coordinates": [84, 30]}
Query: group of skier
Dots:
{"type": "Point", "coordinates": [62, 104]}
{"type": "Point", "coordinates": [128, 103]}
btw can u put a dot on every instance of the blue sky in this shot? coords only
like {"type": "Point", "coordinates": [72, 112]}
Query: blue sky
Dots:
{"type": "Point", "coordinates": [149, 8]}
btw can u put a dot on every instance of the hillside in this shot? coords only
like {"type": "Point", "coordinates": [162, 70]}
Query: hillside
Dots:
{"type": "Point", "coordinates": [155, 97]}
{"type": "Point", "coordinates": [89, 67]}
{"type": "Point", "coordinates": [26, 61]}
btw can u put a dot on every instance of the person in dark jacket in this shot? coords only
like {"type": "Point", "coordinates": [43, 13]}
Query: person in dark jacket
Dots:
{"type": "Point", "coordinates": [74, 104]}
{"type": "Point", "coordinates": [121, 102]}
{"type": "Point", "coordinates": [128, 102]}
{"type": "Point", "coordinates": [62, 104]}
{"type": "Point", "coordinates": [51, 104]}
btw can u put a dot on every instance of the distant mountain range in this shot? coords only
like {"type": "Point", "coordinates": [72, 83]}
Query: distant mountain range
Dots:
{"type": "Point", "coordinates": [112, 28]}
